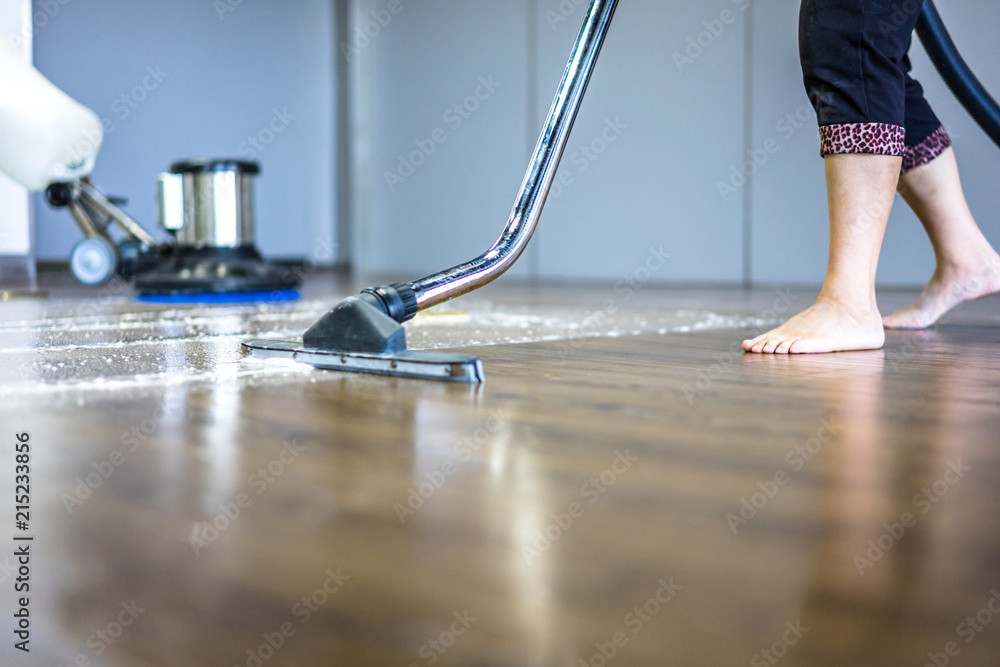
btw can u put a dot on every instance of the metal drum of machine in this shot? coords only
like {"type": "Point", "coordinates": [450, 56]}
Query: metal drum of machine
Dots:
{"type": "Point", "coordinates": [209, 203]}
{"type": "Point", "coordinates": [208, 206]}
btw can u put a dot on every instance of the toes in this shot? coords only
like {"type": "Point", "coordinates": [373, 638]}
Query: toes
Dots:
{"type": "Point", "coordinates": [785, 346]}
{"type": "Point", "coordinates": [772, 342]}
{"type": "Point", "coordinates": [763, 344]}
{"type": "Point", "coordinates": [770, 345]}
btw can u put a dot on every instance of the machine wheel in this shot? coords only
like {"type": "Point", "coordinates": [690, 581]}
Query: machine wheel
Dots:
{"type": "Point", "coordinates": [93, 261]}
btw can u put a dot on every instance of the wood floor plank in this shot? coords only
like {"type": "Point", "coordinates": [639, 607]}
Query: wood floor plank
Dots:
{"type": "Point", "coordinates": [551, 505]}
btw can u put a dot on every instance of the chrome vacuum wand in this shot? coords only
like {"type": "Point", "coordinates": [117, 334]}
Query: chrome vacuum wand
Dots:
{"type": "Point", "coordinates": [403, 301]}
{"type": "Point", "coordinates": [364, 333]}
{"type": "Point", "coordinates": [486, 268]}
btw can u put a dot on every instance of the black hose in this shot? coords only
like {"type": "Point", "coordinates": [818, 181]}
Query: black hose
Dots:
{"type": "Point", "coordinates": [956, 72]}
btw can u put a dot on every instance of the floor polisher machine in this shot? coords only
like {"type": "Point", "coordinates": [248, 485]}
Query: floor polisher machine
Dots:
{"type": "Point", "coordinates": [207, 206]}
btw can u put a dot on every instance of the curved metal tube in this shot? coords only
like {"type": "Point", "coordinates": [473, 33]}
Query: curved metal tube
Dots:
{"type": "Point", "coordinates": [486, 268]}
{"type": "Point", "coordinates": [956, 73]}
{"type": "Point", "coordinates": [108, 208]}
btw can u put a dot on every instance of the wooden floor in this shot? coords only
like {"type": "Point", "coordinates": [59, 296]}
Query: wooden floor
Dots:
{"type": "Point", "coordinates": [649, 500]}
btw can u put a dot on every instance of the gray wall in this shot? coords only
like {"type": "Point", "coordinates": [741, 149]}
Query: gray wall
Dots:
{"type": "Point", "coordinates": [428, 58]}
{"type": "Point", "coordinates": [682, 129]}
{"type": "Point", "coordinates": [657, 184]}
{"type": "Point", "coordinates": [223, 76]}
{"type": "Point", "coordinates": [651, 187]}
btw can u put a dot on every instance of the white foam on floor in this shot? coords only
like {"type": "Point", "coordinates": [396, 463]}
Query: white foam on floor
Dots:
{"type": "Point", "coordinates": [120, 344]}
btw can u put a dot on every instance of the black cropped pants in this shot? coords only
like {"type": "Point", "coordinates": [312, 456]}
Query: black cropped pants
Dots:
{"type": "Point", "coordinates": [857, 74]}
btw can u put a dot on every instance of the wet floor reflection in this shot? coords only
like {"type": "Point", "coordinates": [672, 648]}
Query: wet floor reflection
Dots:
{"type": "Point", "coordinates": [892, 495]}
{"type": "Point", "coordinates": [426, 496]}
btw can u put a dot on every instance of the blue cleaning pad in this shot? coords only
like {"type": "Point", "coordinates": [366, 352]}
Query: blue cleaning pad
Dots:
{"type": "Point", "coordinates": [270, 296]}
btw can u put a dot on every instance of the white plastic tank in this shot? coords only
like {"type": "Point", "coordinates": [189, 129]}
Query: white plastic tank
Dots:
{"type": "Point", "coordinates": [45, 135]}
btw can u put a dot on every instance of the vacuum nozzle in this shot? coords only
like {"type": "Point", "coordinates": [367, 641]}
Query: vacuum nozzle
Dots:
{"type": "Point", "coordinates": [370, 322]}
{"type": "Point", "coordinates": [397, 301]}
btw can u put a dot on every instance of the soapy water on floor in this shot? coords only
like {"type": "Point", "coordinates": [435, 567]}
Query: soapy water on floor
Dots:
{"type": "Point", "coordinates": [73, 345]}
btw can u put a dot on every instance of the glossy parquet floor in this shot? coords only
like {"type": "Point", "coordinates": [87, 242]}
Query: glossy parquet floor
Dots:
{"type": "Point", "coordinates": [648, 499]}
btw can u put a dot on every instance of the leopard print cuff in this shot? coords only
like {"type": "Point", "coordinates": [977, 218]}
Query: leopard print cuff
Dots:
{"type": "Point", "coordinates": [873, 138]}
{"type": "Point", "coordinates": [926, 150]}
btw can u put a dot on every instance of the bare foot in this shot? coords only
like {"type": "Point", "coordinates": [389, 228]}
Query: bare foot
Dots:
{"type": "Point", "coordinates": [947, 289]}
{"type": "Point", "coordinates": [826, 326]}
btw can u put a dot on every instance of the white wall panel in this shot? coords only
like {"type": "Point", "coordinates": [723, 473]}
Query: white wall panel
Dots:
{"type": "Point", "coordinates": [15, 210]}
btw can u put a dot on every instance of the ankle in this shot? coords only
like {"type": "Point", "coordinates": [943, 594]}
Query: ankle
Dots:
{"type": "Point", "coordinates": [848, 291]}
{"type": "Point", "coordinates": [960, 265]}
{"type": "Point", "coordinates": [861, 306]}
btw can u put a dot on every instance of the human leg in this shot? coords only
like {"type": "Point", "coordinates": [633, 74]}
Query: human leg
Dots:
{"type": "Point", "coordinates": [860, 190]}
{"type": "Point", "coordinates": [854, 73]}
{"type": "Point", "coordinates": [967, 265]}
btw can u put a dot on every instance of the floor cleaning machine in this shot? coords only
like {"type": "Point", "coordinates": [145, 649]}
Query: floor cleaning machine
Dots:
{"type": "Point", "coordinates": [208, 208]}
{"type": "Point", "coordinates": [364, 333]}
